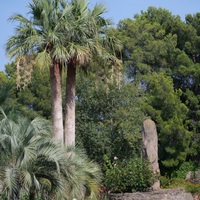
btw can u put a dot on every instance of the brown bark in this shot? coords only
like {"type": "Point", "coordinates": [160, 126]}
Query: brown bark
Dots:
{"type": "Point", "coordinates": [56, 100]}
{"type": "Point", "coordinates": [70, 103]}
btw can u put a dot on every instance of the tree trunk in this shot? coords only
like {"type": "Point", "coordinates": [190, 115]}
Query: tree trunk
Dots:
{"type": "Point", "coordinates": [70, 103]}
{"type": "Point", "coordinates": [56, 100]}
{"type": "Point", "coordinates": [32, 194]}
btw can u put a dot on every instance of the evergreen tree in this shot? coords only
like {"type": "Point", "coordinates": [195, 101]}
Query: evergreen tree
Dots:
{"type": "Point", "coordinates": [171, 117]}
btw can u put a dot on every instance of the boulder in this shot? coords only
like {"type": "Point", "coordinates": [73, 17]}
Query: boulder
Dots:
{"type": "Point", "coordinates": [193, 177]}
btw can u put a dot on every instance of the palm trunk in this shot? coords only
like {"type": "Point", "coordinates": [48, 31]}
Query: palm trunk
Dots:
{"type": "Point", "coordinates": [70, 103]}
{"type": "Point", "coordinates": [56, 100]}
{"type": "Point", "coordinates": [32, 194]}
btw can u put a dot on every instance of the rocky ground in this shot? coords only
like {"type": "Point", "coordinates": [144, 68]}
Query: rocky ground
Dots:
{"type": "Point", "coordinates": [162, 194]}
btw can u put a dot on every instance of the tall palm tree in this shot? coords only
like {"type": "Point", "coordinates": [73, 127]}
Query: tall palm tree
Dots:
{"type": "Point", "coordinates": [35, 165]}
{"type": "Point", "coordinates": [85, 40]}
{"type": "Point", "coordinates": [40, 40]}
{"type": "Point", "coordinates": [60, 34]}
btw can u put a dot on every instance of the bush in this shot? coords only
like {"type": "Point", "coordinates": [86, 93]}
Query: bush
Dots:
{"type": "Point", "coordinates": [178, 176]}
{"type": "Point", "coordinates": [127, 176]}
{"type": "Point", "coordinates": [182, 171]}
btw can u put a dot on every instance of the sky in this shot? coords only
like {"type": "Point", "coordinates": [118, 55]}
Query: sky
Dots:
{"type": "Point", "coordinates": [116, 10]}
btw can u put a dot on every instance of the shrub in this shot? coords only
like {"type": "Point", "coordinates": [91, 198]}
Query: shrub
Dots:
{"type": "Point", "coordinates": [182, 171]}
{"type": "Point", "coordinates": [127, 176]}
{"type": "Point", "coordinates": [178, 179]}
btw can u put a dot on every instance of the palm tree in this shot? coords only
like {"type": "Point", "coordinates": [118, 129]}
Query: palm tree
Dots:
{"type": "Point", "coordinates": [33, 164]}
{"type": "Point", "coordinates": [60, 34]}
{"type": "Point", "coordinates": [86, 40]}
{"type": "Point", "coordinates": [40, 41]}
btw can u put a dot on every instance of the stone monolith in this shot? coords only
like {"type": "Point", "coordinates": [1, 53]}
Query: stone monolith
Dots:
{"type": "Point", "coordinates": [150, 148]}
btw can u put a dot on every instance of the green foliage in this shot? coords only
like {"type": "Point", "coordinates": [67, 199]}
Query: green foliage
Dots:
{"type": "Point", "coordinates": [127, 175]}
{"type": "Point", "coordinates": [107, 116]}
{"type": "Point", "coordinates": [157, 41]}
{"type": "Point", "coordinates": [192, 101]}
{"type": "Point", "coordinates": [147, 46]}
{"type": "Point", "coordinates": [33, 164]}
{"type": "Point", "coordinates": [32, 102]}
{"type": "Point", "coordinates": [170, 114]}
{"type": "Point", "coordinates": [192, 188]}
{"type": "Point", "coordinates": [39, 90]}
{"type": "Point", "coordinates": [167, 183]}
{"type": "Point", "coordinates": [177, 179]}
{"type": "Point", "coordinates": [182, 171]}
{"type": "Point", "coordinates": [3, 78]}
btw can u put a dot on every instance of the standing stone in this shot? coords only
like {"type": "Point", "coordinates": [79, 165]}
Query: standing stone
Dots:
{"type": "Point", "coordinates": [150, 148]}
{"type": "Point", "coordinates": [1, 187]}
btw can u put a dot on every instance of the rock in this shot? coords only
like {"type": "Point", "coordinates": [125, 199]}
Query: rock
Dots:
{"type": "Point", "coordinates": [168, 194]}
{"type": "Point", "coordinates": [150, 147]}
{"type": "Point", "coordinates": [1, 189]}
{"type": "Point", "coordinates": [193, 177]}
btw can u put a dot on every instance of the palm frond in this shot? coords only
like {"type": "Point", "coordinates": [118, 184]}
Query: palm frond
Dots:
{"type": "Point", "coordinates": [40, 124]}
{"type": "Point", "coordinates": [98, 10]}
{"type": "Point", "coordinates": [26, 179]}
{"type": "Point", "coordinates": [2, 111]}
{"type": "Point", "coordinates": [60, 53]}
{"type": "Point", "coordinates": [18, 18]}
{"type": "Point", "coordinates": [11, 182]}
{"type": "Point", "coordinates": [39, 160]}
{"type": "Point", "coordinates": [43, 60]}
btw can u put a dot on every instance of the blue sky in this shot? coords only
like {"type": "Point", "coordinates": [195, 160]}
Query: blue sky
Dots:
{"type": "Point", "coordinates": [116, 10]}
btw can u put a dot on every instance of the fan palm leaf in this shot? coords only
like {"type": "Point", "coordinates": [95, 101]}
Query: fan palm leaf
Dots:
{"type": "Point", "coordinates": [35, 164]}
